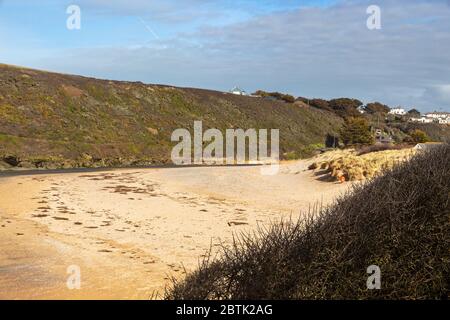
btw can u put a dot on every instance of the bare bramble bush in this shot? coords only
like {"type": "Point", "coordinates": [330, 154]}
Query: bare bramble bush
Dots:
{"type": "Point", "coordinates": [399, 221]}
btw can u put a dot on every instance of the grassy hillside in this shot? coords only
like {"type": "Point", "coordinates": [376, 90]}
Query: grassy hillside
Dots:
{"type": "Point", "coordinates": [399, 222]}
{"type": "Point", "coordinates": [56, 120]}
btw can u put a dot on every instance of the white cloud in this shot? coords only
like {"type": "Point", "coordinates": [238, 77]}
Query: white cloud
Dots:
{"type": "Point", "coordinates": [317, 52]}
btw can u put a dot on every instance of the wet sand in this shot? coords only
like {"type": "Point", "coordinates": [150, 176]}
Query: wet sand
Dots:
{"type": "Point", "coordinates": [129, 230]}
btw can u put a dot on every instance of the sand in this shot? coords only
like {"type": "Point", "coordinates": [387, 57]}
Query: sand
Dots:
{"type": "Point", "coordinates": [129, 231]}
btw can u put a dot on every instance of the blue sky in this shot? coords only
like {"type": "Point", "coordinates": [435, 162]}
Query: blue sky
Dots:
{"type": "Point", "coordinates": [310, 48]}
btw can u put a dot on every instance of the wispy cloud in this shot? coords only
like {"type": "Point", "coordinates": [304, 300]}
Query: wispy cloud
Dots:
{"type": "Point", "coordinates": [148, 28]}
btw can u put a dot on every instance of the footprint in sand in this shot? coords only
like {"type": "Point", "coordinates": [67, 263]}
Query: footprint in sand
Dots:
{"type": "Point", "coordinates": [39, 215]}
{"type": "Point", "coordinates": [236, 223]}
{"type": "Point", "coordinates": [105, 250]}
{"type": "Point", "coordinates": [60, 218]}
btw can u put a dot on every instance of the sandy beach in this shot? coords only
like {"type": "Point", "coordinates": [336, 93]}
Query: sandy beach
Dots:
{"type": "Point", "coordinates": [129, 230]}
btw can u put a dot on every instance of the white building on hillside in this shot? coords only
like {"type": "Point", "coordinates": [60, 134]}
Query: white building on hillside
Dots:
{"type": "Point", "coordinates": [421, 120]}
{"type": "Point", "coordinates": [444, 120]}
{"type": "Point", "coordinates": [437, 115]}
{"type": "Point", "coordinates": [238, 91]}
{"type": "Point", "coordinates": [398, 111]}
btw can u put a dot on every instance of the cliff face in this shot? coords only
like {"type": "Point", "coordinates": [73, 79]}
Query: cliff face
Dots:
{"type": "Point", "coordinates": [55, 120]}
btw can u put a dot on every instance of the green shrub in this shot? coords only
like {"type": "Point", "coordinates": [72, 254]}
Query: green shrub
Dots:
{"type": "Point", "coordinates": [419, 136]}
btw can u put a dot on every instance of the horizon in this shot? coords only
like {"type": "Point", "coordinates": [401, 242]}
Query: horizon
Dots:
{"type": "Point", "coordinates": [314, 49]}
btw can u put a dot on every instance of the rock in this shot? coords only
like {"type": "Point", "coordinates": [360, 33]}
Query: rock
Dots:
{"type": "Point", "coordinates": [11, 160]}
{"type": "Point", "coordinates": [313, 166]}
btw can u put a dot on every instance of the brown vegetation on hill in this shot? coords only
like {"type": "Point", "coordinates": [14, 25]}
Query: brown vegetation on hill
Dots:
{"type": "Point", "coordinates": [54, 120]}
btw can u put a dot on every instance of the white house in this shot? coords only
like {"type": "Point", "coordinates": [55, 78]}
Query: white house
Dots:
{"type": "Point", "coordinates": [361, 109]}
{"type": "Point", "coordinates": [238, 91]}
{"type": "Point", "coordinates": [421, 120]}
{"type": "Point", "coordinates": [444, 120]}
{"type": "Point", "coordinates": [437, 115]}
{"type": "Point", "coordinates": [398, 111]}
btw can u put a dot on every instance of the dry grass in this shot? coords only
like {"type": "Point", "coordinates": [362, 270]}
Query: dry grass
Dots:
{"type": "Point", "coordinates": [354, 166]}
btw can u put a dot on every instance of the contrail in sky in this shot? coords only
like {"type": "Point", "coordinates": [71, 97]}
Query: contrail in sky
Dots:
{"type": "Point", "coordinates": [146, 26]}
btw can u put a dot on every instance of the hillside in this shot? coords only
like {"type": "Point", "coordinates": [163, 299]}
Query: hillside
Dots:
{"type": "Point", "coordinates": [399, 222]}
{"type": "Point", "coordinates": [53, 120]}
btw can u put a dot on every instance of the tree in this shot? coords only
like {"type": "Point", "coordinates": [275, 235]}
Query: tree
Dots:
{"type": "Point", "coordinates": [376, 107]}
{"type": "Point", "coordinates": [277, 95]}
{"type": "Point", "coordinates": [356, 130]}
{"type": "Point", "coordinates": [419, 136]}
{"type": "Point", "coordinates": [414, 113]}
{"type": "Point", "coordinates": [320, 104]}
{"type": "Point", "coordinates": [287, 98]}
{"type": "Point", "coordinates": [345, 106]}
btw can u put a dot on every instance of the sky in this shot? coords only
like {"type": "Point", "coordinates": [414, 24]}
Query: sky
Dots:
{"type": "Point", "coordinates": [310, 48]}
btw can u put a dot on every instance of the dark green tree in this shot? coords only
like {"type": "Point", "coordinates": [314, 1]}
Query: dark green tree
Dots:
{"type": "Point", "coordinates": [356, 130]}
{"type": "Point", "coordinates": [414, 113]}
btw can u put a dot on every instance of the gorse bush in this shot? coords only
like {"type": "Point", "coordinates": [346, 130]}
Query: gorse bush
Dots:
{"type": "Point", "coordinates": [399, 221]}
{"type": "Point", "coordinates": [276, 95]}
{"type": "Point", "coordinates": [419, 136]}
